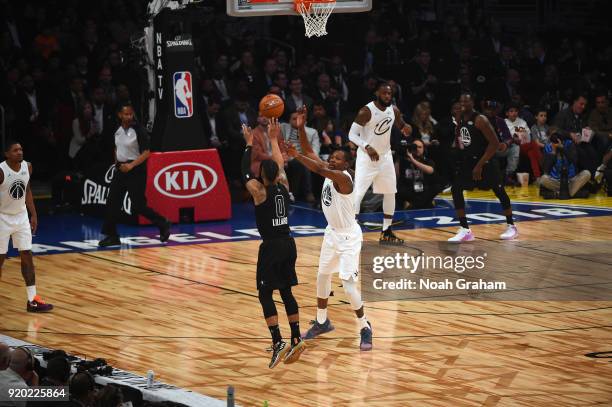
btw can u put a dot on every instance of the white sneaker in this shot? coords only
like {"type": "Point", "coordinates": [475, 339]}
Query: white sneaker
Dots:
{"type": "Point", "coordinates": [464, 235]}
{"type": "Point", "coordinates": [510, 233]}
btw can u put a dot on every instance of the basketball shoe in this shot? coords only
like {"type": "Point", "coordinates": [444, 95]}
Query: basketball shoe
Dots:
{"type": "Point", "coordinates": [318, 329]}
{"type": "Point", "coordinates": [296, 350]}
{"type": "Point", "coordinates": [388, 237]}
{"type": "Point", "coordinates": [464, 235]}
{"type": "Point", "coordinates": [279, 350]}
{"type": "Point", "coordinates": [366, 338]}
{"type": "Point", "coordinates": [38, 305]}
{"type": "Point", "coordinates": [510, 233]}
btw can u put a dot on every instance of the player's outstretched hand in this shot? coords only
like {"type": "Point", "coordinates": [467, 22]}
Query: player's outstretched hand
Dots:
{"type": "Point", "coordinates": [372, 153]}
{"type": "Point", "coordinates": [291, 150]}
{"type": "Point", "coordinates": [247, 132]}
{"type": "Point", "coordinates": [274, 129]}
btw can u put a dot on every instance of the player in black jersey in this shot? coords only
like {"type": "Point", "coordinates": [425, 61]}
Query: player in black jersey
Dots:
{"type": "Point", "coordinates": [475, 166]}
{"type": "Point", "coordinates": [277, 252]}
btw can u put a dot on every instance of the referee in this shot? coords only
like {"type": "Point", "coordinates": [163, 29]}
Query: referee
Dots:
{"type": "Point", "coordinates": [131, 153]}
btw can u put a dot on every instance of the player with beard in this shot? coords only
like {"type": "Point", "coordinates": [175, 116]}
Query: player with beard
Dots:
{"type": "Point", "coordinates": [15, 201]}
{"type": "Point", "coordinates": [475, 166]}
{"type": "Point", "coordinates": [371, 132]}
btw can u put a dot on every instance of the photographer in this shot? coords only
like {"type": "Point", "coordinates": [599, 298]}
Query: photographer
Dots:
{"type": "Point", "coordinates": [416, 187]}
{"type": "Point", "coordinates": [560, 155]}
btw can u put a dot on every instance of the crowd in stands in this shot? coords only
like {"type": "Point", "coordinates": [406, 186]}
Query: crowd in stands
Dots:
{"type": "Point", "coordinates": [65, 67]}
{"type": "Point", "coordinates": [19, 369]}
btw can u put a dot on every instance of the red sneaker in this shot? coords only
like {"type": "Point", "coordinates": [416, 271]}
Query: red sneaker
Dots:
{"type": "Point", "coordinates": [38, 305]}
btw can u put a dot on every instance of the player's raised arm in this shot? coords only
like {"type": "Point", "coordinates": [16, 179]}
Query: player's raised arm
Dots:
{"type": "Point", "coordinates": [404, 127]}
{"type": "Point", "coordinates": [304, 143]}
{"type": "Point", "coordinates": [274, 132]}
{"type": "Point", "coordinates": [255, 188]}
{"type": "Point", "coordinates": [344, 182]}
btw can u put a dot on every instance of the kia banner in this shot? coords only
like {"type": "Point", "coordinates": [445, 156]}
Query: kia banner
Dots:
{"type": "Point", "coordinates": [191, 182]}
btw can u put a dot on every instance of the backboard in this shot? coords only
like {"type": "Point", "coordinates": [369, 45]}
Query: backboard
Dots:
{"type": "Point", "coordinates": [250, 8]}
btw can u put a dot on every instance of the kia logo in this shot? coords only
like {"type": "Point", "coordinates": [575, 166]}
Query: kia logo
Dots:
{"type": "Point", "coordinates": [185, 180]}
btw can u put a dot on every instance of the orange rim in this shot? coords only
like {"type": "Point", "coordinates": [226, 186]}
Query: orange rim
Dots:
{"type": "Point", "coordinates": [307, 3]}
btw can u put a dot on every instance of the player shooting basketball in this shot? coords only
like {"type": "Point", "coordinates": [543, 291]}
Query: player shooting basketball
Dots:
{"type": "Point", "coordinates": [342, 241]}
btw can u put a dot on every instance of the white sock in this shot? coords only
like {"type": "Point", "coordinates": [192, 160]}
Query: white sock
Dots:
{"type": "Point", "coordinates": [321, 315]}
{"type": "Point", "coordinates": [386, 223]}
{"type": "Point", "coordinates": [363, 322]}
{"type": "Point", "coordinates": [31, 289]}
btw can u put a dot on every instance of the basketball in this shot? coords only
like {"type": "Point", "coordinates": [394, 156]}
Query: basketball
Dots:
{"type": "Point", "coordinates": [271, 105]}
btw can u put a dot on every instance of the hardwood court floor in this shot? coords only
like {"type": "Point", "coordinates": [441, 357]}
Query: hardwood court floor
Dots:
{"type": "Point", "coordinates": [191, 314]}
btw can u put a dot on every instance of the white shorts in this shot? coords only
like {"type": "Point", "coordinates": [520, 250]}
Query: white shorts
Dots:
{"type": "Point", "coordinates": [381, 173]}
{"type": "Point", "coordinates": [18, 228]}
{"type": "Point", "coordinates": [340, 252]}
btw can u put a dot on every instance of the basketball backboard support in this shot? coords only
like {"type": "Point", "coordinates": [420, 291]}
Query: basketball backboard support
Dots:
{"type": "Point", "coordinates": [251, 8]}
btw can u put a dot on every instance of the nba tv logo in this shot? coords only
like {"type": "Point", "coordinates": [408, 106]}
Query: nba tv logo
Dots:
{"type": "Point", "coordinates": [183, 96]}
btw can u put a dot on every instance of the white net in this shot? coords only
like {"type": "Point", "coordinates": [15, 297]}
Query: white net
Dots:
{"type": "Point", "coordinates": [315, 19]}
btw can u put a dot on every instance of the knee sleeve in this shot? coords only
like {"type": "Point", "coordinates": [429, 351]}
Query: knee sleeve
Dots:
{"type": "Point", "coordinates": [291, 305]}
{"type": "Point", "coordinates": [267, 303]}
{"type": "Point", "coordinates": [351, 291]}
{"type": "Point", "coordinates": [389, 204]}
{"type": "Point", "coordinates": [458, 200]}
{"type": "Point", "coordinates": [503, 197]}
{"type": "Point", "coordinates": [323, 285]}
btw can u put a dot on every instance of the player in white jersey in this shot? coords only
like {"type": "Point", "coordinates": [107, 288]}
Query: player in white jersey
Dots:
{"type": "Point", "coordinates": [371, 133]}
{"type": "Point", "coordinates": [342, 241]}
{"type": "Point", "coordinates": [15, 201]}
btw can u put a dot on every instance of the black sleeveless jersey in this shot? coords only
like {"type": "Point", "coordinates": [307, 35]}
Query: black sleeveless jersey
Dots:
{"type": "Point", "coordinates": [272, 215]}
{"type": "Point", "coordinates": [474, 142]}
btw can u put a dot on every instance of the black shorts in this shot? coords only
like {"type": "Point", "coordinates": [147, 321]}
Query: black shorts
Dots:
{"type": "Point", "coordinates": [491, 173]}
{"type": "Point", "coordinates": [276, 264]}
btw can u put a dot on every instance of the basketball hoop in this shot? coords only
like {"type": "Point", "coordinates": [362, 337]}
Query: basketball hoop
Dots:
{"type": "Point", "coordinates": [315, 14]}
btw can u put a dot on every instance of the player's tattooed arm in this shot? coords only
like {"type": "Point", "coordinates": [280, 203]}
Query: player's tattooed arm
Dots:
{"type": "Point", "coordinates": [274, 132]}
{"type": "Point", "coordinates": [404, 127]}
{"type": "Point", "coordinates": [255, 188]}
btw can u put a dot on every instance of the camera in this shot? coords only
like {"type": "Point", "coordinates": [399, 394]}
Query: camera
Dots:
{"type": "Point", "coordinates": [406, 146]}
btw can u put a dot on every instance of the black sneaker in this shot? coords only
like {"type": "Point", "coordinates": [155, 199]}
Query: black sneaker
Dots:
{"type": "Point", "coordinates": [164, 231]}
{"type": "Point", "coordinates": [279, 350]}
{"type": "Point", "coordinates": [112, 240]}
{"type": "Point", "coordinates": [296, 350]}
{"type": "Point", "coordinates": [388, 237]}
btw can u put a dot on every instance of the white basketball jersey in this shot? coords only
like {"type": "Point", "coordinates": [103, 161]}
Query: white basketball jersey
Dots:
{"type": "Point", "coordinates": [338, 208]}
{"type": "Point", "coordinates": [377, 132]}
{"type": "Point", "coordinates": [13, 189]}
